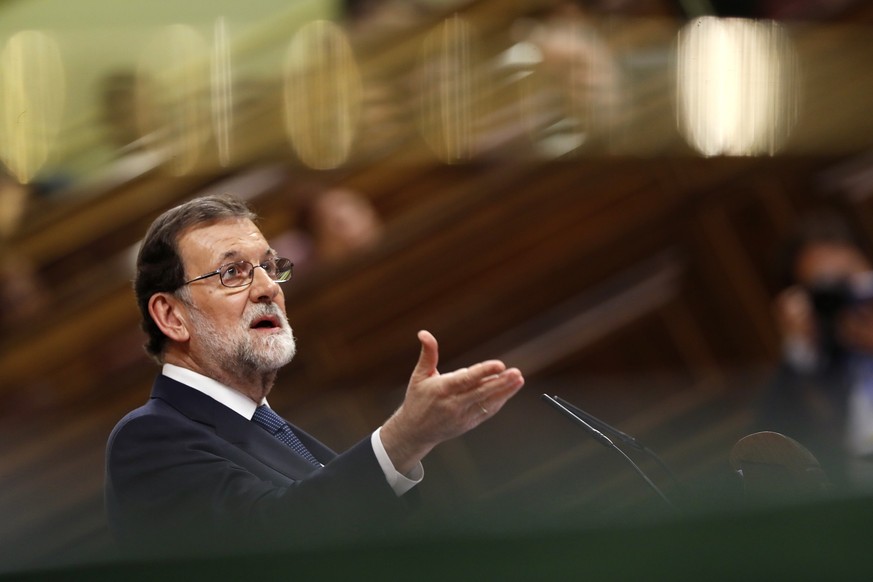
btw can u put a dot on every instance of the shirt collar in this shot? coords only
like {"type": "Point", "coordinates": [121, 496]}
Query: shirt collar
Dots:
{"type": "Point", "coordinates": [233, 399]}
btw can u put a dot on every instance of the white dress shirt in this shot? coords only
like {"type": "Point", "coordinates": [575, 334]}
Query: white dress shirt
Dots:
{"type": "Point", "coordinates": [245, 407]}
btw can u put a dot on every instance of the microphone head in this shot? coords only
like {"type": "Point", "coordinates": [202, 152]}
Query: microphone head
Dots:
{"type": "Point", "coordinates": [774, 467]}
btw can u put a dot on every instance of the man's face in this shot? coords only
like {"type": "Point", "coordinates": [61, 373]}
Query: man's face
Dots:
{"type": "Point", "coordinates": [240, 330]}
{"type": "Point", "coordinates": [838, 279]}
{"type": "Point", "coordinates": [828, 262]}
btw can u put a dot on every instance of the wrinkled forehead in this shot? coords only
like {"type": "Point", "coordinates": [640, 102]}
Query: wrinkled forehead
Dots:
{"type": "Point", "coordinates": [210, 244]}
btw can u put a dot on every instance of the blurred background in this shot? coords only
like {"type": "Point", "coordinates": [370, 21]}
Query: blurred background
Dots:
{"type": "Point", "coordinates": [598, 192]}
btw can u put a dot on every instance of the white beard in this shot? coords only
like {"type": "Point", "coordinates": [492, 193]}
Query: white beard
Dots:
{"type": "Point", "coordinates": [239, 351]}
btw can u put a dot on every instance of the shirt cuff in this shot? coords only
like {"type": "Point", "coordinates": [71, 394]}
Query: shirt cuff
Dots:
{"type": "Point", "coordinates": [399, 483]}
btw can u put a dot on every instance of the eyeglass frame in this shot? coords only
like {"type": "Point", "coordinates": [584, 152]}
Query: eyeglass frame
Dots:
{"type": "Point", "coordinates": [219, 271]}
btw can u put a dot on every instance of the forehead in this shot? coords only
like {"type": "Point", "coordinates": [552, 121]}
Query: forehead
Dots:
{"type": "Point", "coordinates": [206, 245]}
{"type": "Point", "coordinates": [829, 261]}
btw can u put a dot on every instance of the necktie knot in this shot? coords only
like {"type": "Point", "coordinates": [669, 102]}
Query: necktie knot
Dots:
{"type": "Point", "coordinates": [279, 428]}
{"type": "Point", "coordinates": [266, 418]}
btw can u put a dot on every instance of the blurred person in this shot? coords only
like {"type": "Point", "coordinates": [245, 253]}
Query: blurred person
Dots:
{"type": "Point", "coordinates": [118, 94]}
{"type": "Point", "coordinates": [378, 18]}
{"type": "Point", "coordinates": [387, 114]}
{"type": "Point", "coordinates": [580, 65]}
{"type": "Point", "coordinates": [333, 224]}
{"type": "Point", "coordinates": [14, 198]}
{"type": "Point", "coordinates": [22, 294]}
{"type": "Point", "coordinates": [342, 222]}
{"type": "Point", "coordinates": [195, 463]}
{"type": "Point", "coordinates": [822, 394]}
{"type": "Point", "coordinates": [121, 148]}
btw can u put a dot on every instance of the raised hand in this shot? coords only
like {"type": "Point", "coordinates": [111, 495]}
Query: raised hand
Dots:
{"type": "Point", "coordinates": [439, 407]}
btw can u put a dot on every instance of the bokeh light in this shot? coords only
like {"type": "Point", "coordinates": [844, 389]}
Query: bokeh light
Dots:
{"type": "Point", "coordinates": [736, 86]}
{"type": "Point", "coordinates": [449, 90]}
{"type": "Point", "coordinates": [222, 92]}
{"type": "Point", "coordinates": [323, 95]}
{"type": "Point", "coordinates": [32, 95]}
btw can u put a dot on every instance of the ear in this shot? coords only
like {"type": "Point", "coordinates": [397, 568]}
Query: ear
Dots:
{"type": "Point", "coordinates": [170, 316]}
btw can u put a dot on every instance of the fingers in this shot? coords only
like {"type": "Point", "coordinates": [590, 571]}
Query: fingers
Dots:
{"type": "Point", "coordinates": [794, 314]}
{"type": "Point", "coordinates": [489, 381]}
{"type": "Point", "coordinates": [494, 392]}
{"type": "Point", "coordinates": [465, 379]}
{"type": "Point", "coordinates": [498, 389]}
{"type": "Point", "coordinates": [428, 358]}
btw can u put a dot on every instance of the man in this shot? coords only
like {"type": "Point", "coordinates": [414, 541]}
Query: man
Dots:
{"type": "Point", "coordinates": [823, 393]}
{"type": "Point", "coordinates": [194, 463]}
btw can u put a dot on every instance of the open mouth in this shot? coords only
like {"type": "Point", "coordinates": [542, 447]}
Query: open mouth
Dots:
{"type": "Point", "coordinates": [265, 323]}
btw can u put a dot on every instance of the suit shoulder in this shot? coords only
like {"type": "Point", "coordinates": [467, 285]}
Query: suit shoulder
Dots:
{"type": "Point", "coordinates": [153, 417]}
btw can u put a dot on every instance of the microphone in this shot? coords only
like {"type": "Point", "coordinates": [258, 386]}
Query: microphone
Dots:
{"type": "Point", "coordinates": [623, 437]}
{"type": "Point", "coordinates": [594, 421]}
{"type": "Point", "coordinates": [605, 441]}
{"type": "Point", "coordinates": [562, 407]}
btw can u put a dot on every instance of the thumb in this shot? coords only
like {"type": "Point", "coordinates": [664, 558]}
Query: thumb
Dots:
{"type": "Point", "coordinates": [429, 357]}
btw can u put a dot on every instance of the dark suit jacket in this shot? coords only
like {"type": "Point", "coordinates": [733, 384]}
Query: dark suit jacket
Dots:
{"type": "Point", "coordinates": [186, 469]}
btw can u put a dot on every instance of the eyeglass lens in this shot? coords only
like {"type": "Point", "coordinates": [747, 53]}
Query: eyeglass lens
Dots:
{"type": "Point", "coordinates": [242, 272]}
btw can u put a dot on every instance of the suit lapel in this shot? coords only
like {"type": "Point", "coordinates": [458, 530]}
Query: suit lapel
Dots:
{"type": "Point", "coordinates": [237, 430]}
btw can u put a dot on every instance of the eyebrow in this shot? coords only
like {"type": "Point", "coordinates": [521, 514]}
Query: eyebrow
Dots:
{"type": "Point", "coordinates": [230, 256]}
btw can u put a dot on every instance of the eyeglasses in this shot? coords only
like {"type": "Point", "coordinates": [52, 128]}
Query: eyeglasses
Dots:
{"type": "Point", "coordinates": [242, 273]}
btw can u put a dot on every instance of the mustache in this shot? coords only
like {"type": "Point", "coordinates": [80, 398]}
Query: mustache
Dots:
{"type": "Point", "coordinates": [259, 310]}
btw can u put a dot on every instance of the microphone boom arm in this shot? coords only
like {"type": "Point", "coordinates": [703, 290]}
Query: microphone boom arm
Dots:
{"type": "Point", "coordinates": [606, 442]}
{"type": "Point", "coordinates": [624, 437]}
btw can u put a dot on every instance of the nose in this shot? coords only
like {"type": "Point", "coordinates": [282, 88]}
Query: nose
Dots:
{"type": "Point", "coordinates": [263, 289]}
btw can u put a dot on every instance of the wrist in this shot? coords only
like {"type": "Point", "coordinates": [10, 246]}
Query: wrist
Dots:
{"type": "Point", "coordinates": [401, 446]}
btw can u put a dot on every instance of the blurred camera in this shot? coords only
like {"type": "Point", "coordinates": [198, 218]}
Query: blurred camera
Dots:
{"type": "Point", "coordinates": [829, 298]}
{"type": "Point", "coordinates": [832, 298]}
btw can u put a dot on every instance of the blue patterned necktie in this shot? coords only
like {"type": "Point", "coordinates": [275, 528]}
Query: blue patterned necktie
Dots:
{"type": "Point", "coordinates": [276, 426]}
